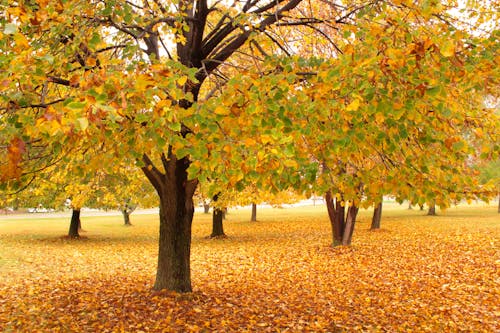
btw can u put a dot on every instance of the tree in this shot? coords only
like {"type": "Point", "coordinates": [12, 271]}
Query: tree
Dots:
{"type": "Point", "coordinates": [130, 73]}
{"type": "Point", "coordinates": [377, 216]}
{"type": "Point", "coordinates": [217, 218]}
{"type": "Point", "coordinates": [253, 217]}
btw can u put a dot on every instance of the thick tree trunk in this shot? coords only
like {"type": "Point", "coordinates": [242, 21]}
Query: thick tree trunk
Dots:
{"type": "Point", "coordinates": [206, 208]}
{"type": "Point", "coordinates": [74, 224]}
{"type": "Point", "coordinates": [217, 225]}
{"type": "Point", "coordinates": [352, 213]}
{"type": "Point", "coordinates": [126, 217]}
{"type": "Point", "coordinates": [176, 217]}
{"type": "Point", "coordinates": [432, 210]}
{"type": "Point", "coordinates": [253, 218]}
{"type": "Point", "coordinates": [377, 216]}
{"type": "Point", "coordinates": [421, 207]}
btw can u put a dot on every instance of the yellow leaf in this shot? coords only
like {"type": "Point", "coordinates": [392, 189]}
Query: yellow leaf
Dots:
{"type": "Point", "coordinates": [265, 138]}
{"type": "Point", "coordinates": [221, 110]}
{"type": "Point", "coordinates": [353, 106]}
{"type": "Point", "coordinates": [448, 49]}
{"type": "Point", "coordinates": [249, 142]}
{"type": "Point", "coordinates": [182, 80]}
{"type": "Point", "coordinates": [83, 123]}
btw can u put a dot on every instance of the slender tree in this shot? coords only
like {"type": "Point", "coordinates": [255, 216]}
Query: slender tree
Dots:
{"type": "Point", "coordinates": [377, 217]}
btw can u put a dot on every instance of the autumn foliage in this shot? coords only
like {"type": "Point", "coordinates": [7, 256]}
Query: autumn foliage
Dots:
{"type": "Point", "coordinates": [419, 273]}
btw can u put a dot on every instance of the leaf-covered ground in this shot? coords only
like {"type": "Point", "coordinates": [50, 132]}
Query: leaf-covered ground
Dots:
{"type": "Point", "coordinates": [417, 274]}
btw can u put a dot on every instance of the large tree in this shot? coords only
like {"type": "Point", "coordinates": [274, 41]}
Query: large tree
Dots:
{"type": "Point", "coordinates": [127, 75]}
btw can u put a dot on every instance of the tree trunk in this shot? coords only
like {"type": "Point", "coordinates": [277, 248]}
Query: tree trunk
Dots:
{"type": "Point", "coordinates": [176, 217]}
{"type": "Point", "coordinates": [432, 210]}
{"type": "Point", "coordinates": [377, 216]}
{"type": "Point", "coordinates": [206, 208]}
{"type": "Point", "coordinates": [336, 214]}
{"type": "Point", "coordinates": [217, 225]}
{"type": "Point", "coordinates": [352, 212]}
{"type": "Point", "coordinates": [409, 206]}
{"type": "Point", "coordinates": [342, 226]}
{"type": "Point", "coordinates": [74, 224]}
{"type": "Point", "coordinates": [126, 217]}
{"type": "Point", "coordinates": [254, 212]}
{"type": "Point", "coordinates": [421, 207]}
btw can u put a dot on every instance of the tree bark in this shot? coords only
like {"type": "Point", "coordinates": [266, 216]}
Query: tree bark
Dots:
{"type": "Point", "coordinates": [217, 224]}
{"type": "Point", "coordinates": [206, 208]}
{"type": "Point", "coordinates": [217, 217]}
{"type": "Point", "coordinates": [176, 217]}
{"type": "Point", "coordinates": [126, 217]}
{"type": "Point", "coordinates": [377, 216]}
{"type": "Point", "coordinates": [74, 224]}
{"type": "Point", "coordinates": [336, 213]}
{"type": "Point", "coordinates": [253, 218]}
{"type": "Point", "coordinates": [352, 213]}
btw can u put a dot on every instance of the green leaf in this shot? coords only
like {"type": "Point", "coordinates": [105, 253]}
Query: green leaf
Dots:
{"type": "Point", "coordinates": [94, 41]}
{"type": "Point", "coordinates": [141, 117]}
{"type": "Point", "coordinates": [76, 105]}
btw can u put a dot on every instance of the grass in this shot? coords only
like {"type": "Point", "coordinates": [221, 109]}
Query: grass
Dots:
{"type": "Point", "coordinates": [418, 273]}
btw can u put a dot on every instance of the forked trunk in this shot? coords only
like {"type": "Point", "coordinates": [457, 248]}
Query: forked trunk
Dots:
{"type": "Point", "coordinates": [74, 224]}
{"type": "Point", "coordinates": [254, 212]}
{"type": "Point", "coordinates": [342, 226]}
{"type": "Point", "coordinates": [217, 225]}
{"type": "Point", "coordinates": [377, 216]}
{"type": "Point", "coordinates": [176, 217]}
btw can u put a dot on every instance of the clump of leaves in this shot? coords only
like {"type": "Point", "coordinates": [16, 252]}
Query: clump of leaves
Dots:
{"type": "Point", "coordinates": [280, 274]}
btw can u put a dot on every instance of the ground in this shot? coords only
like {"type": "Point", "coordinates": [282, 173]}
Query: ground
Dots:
{"type": "Point", "coordinates": [419, 273]}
